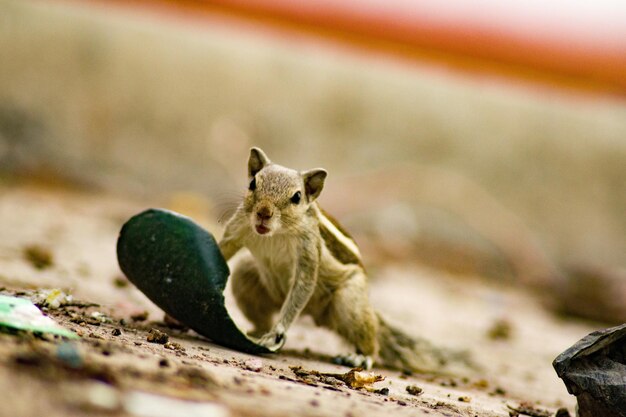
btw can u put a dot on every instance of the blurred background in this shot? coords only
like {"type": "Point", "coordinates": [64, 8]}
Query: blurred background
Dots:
{"type": "Point", "coordinates": [483, 138]}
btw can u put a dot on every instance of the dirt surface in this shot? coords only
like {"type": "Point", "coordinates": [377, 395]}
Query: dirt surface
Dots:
{"type": "Point", "coordinates": [129, 359]}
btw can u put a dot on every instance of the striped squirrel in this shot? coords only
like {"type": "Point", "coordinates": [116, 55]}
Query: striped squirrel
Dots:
{"type": "Point", "coordinates": [302, 261]}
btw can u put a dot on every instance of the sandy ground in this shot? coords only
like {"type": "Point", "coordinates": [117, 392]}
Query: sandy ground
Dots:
{"type": "Point", "coordinates": [114, 370]}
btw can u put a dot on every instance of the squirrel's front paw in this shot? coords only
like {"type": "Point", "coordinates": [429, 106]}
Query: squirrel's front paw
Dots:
{"type": "Point", "coordinates": [273, 340]}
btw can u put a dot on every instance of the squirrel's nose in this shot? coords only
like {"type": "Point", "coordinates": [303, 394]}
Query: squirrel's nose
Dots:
{"type": "Point", "coordinates": [264, 213]}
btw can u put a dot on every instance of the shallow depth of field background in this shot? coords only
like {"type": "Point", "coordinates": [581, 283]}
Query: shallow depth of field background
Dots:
{"type": "Point", "coordinates": [481, 138]}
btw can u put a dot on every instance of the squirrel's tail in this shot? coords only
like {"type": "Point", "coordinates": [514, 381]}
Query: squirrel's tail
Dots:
{"type": "Point", "coordinates": [403, 352]}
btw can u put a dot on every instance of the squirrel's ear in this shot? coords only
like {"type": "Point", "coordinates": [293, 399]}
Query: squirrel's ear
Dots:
{"type": "Point", "coordinates": [257, 161]}
{"type": "Point", "coordinates": [314, 182]}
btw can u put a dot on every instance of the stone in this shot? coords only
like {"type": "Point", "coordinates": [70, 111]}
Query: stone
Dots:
{"type": "Point", "coordinates": [594, 370]}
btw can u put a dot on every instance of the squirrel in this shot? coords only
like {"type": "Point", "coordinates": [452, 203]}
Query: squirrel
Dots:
{"type": "Point", "coordinates": [301, 261]}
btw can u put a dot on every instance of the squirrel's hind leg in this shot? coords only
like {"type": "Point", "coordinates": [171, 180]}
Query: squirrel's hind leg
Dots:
{"type": "Point", "coordinates": [351, 316]}
{"type": "Point", "coordinates": [251, 296]}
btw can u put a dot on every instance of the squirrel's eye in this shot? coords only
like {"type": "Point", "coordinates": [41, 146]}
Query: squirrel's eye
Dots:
{"type": "Point", "coordinates": [296, 197]}
{"type": "Point", "coordinates": [252, 186]}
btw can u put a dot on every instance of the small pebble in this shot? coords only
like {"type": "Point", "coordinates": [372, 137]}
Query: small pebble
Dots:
{"type": "Point", "coordinates": [414, 390]}
{"type": "Point", "coordinates": [173, 346]}
{"type": "Point", "coordinates": [116, 332]}
{"type": "Point", "coordinates": [157, 336]}
{"type": "Point", "coordinates": [254, 365]}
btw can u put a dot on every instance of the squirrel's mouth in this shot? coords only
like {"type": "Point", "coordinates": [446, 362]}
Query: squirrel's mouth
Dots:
{"type": "Point", "coordinates": [262, 229]}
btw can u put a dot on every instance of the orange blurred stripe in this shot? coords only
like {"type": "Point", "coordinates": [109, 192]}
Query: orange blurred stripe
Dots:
{"type": "Point", "coordinates": [467, 47]}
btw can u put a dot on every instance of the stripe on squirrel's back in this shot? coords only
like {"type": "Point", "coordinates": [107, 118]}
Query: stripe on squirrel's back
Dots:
{"type": "Point", "coordinates": [337, 240]}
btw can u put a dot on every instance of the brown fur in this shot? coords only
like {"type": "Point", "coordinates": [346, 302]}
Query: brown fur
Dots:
{"type": "Point", "coordinates": [301, 264]}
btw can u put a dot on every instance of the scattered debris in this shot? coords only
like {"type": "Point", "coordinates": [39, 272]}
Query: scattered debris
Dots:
{"type": "Point", "coordinates": [173, 345]}
{"type": "Point", "coordinates": [414, 390]}
{"type": "Point", "coordinates": [102, 318]}
{"type": "Point", "coordinates": [254, 365]}
{"type": "Point", "coordinates": [594, 370]}
{"type": "Point", "coordinates": [501, 329]}
{"type": "Point", "coordinates": [116, 332]}
{"type": "Point", "coordinates": [143, 316]}
{"type": "Point", "coordinates": [464, 399]}
{"type": "Point", "coordinates": [382, 391]}
{"type": "Point", "coordinates": [355, 378]}
{"type": "Point", "coordinates": [51, 299]}
{"type": "Point", "coordinates": [21, 314]}
{"type": "Point", "coordinates": [38, 256]}
{"type": "Point", "coordinates": [157, 336]}
{"type": "Point", "coordinates": [527, 409]}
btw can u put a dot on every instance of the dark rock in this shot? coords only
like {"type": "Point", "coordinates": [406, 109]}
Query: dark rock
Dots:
{"type": "Point", "coordinates": [594, 370]}
{"type": "Point", "coordinates": [414, 390]}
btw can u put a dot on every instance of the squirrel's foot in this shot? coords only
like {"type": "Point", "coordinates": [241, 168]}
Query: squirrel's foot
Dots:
{"type": "Point", "coordinates": [354, 360]}
{"type": "Point", "coordinates": [273, 340]}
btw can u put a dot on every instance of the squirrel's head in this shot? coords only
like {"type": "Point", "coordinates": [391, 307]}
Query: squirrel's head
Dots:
{"type": "Point", "coordinates": [278, 197]}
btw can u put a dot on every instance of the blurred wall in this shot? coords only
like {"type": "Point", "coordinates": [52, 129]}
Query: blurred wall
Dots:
{"type": "Point", "coordinates": [144, 104]}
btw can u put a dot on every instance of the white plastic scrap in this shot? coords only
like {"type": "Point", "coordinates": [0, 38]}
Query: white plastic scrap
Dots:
{"type": "Point", "coordinates": [102, 396]}
{"type": "Point", "coordinates": [53, 298]}
{"type": "Point", "coordinates": [143, 404]}
{"type": "Point", "coordinates": [99, 316]}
